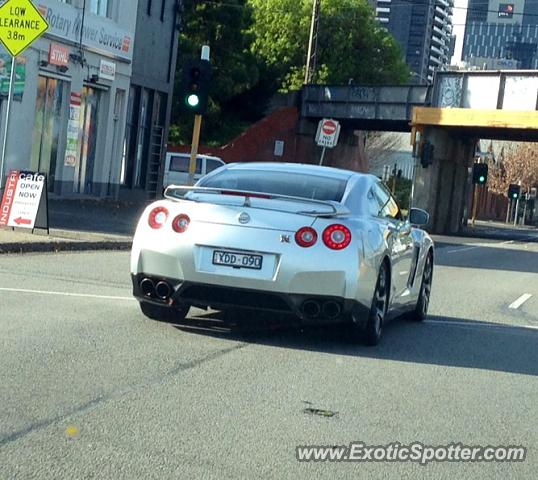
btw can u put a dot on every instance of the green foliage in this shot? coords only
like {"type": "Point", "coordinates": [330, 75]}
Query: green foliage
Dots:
{"type": "Point", "coordinates": [352, 45]}
{"type": "Point", "coordinates": [259, 47]}
{"type": "Point", "coordinates": [224, 29]}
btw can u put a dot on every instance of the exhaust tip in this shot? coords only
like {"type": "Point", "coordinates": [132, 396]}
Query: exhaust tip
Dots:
{"type": "Point", "coordinates": [163, 290]}
{"type": "Point", "coordinates": [311, 308]}
{"type": "Point", "coordinates": [147, 286]}
{"type": "Point", "coordinates": [331, 309]}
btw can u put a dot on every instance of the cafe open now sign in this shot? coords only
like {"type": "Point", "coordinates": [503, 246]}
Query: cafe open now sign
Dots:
{"type": "Point", "coordinates": [22, 199]}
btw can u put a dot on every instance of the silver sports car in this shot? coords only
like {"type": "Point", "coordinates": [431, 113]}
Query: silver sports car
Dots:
{"type": "Point", "coordinates": [323, 244]}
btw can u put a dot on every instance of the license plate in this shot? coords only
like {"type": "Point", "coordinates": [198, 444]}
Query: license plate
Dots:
{"type": "Point", "coordinates": [237, 260]}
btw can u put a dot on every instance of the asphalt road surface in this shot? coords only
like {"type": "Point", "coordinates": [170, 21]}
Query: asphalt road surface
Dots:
{"type": "Point", "coordinates": [90, 389]}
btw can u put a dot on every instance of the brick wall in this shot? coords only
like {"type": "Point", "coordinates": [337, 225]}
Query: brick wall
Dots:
{"type": "Point", "coordinates": [257, 144]}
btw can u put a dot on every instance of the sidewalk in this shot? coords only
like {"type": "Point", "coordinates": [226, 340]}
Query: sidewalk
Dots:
{"type": "Point", "coordinates": [500, 231]}
{"type": "Point", "coordinates": [77, 225]}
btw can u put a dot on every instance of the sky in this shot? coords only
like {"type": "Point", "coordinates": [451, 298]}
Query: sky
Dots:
{"type": "Point", "coordinates": [458, 20]}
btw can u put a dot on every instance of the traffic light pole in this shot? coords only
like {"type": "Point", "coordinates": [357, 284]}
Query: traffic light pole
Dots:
{"type": "Point", "coordinates": [516, 213]}
{"type": "Point", "coordinates": [197, 128]}
{"type": "Point", "coordinates": [194, 147]}
{"type": "Point", "coordinates": [475, 203]}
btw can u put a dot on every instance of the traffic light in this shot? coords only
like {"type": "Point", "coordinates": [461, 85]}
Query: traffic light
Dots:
{"type": "Point", "coordinates": [480, 173]}
{"type": "Point", "coordinates": [426, 156]}
{"type": "Point", "coordinates": [514, 191]}
{"type": "Point", "coordinates": [195, 86]}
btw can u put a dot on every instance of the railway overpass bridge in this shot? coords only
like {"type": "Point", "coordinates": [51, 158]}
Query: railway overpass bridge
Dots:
{"type": "Point", "coordinates": [452, 114]}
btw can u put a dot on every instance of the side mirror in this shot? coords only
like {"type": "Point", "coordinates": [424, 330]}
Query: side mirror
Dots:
{"type": "Point", "coordinates": [418, 217]}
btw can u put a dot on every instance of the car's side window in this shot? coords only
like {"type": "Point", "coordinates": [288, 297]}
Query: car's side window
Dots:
{"type": "Point", "coordinates": [373, 204]}
{"type": "Point", "coordinates": [388, 207]}
{"type": "Point", "coordinates": [180, 163]}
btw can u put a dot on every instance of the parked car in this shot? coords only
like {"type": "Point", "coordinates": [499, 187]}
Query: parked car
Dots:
{"type": "Point", "coordinates": [323, 244]}
{"type": "Point", "coordinates": [176, 167]}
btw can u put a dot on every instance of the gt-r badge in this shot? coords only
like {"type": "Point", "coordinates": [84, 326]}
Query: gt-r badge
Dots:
{"type": "Point", "coordinates": [243, 218]}
{"type": "Point", "coordinates": [285, 238]}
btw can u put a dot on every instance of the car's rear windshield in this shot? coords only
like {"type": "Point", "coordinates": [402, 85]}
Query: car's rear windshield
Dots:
{"type": "Point", "coordinates": [279, 183]}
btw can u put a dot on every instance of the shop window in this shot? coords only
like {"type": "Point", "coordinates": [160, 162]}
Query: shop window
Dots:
{"type": "Point", "coordinates": [89, 113]}
{"type": "Point", "coordinates": [129, 146]}
{"type": "Point", "coordinates": [47, 127]}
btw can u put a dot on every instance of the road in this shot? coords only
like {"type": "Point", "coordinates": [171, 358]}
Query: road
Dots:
{"type": "Point", "coordinates": [90, 389]}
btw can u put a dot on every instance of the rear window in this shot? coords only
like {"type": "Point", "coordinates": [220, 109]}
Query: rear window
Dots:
{"type": "Point", "coordinates": [279, 183]}
{"type": "Point", "coordinates": [181, 164]}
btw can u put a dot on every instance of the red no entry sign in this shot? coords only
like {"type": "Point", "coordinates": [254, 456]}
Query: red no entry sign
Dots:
{"type": "Point", "coordinates": [329, 127]}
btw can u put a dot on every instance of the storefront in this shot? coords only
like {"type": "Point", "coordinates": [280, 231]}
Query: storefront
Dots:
{"type": "Point", "coordinates": [68, 117]}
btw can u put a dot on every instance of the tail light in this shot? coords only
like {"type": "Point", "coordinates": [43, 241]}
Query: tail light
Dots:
{"type": "Point", "coordinates": [337, 237]}
{"type": "Point", "coordinates": [157, 217]}
{"type": "Point", "coordinates": [181, 223]}
{"type": "Point", "coordinates": [306, 237]}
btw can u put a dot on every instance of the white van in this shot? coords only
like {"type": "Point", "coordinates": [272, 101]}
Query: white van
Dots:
{"type": "Point", "coordinates": [176, 168]}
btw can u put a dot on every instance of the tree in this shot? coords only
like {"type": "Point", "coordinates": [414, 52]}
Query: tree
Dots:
{"type": "Point", "coordinates": [352, 45]}
{"type": "Point", "coordinates": [515, 162]}
{"type": "Point", "coordinates": [224, 27]}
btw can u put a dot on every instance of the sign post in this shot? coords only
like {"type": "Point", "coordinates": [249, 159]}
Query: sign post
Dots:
{"type": "Point", "coordinates": [21, 24]}
{"type": "Point", "coordinates": [327, 135]}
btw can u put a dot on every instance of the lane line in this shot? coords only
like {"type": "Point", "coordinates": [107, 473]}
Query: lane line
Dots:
{"type": "Point", "coordinates": [65, 294]}
{"type": "Point", "coordinates": [520, 301]}
{"type": "Point", "coordinates": [475, 324]}
{"type": "Point", "coordinates": [462, 249]}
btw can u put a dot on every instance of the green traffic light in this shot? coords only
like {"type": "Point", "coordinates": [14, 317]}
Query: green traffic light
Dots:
{"type": "Point", "coordinates": [193, 100]}
{"type": "Point", "coordinates": [482, 179]}
{"type": "Point", "coordinates": [514, 195]}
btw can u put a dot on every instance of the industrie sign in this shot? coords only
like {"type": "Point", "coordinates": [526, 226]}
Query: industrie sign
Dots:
{"type": "Point", "coordinates": [98, 33]}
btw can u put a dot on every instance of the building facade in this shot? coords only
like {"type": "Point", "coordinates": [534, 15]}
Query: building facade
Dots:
{"type": "Point", "coordinates": [68, 115]}
{"type": "Point", "coordinates": [150, 99]}
{"type": "Point", "coordinates": [501, 32]}
{"type": "Point", "coordinates": [424, 31]}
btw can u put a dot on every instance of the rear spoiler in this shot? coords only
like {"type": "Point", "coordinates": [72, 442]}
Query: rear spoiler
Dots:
{"type": "Point", "coordinates": [173, 192]}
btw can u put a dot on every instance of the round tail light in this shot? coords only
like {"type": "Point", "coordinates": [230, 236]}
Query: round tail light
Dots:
{"type": "Point", "coordinates": [337, 237]}
{"type": "Point", "coordinates": [181, 223]}
{"type": "Point", "coordinates": [306, 237]}
{"type": "Point", "coordinates": [157, 217]}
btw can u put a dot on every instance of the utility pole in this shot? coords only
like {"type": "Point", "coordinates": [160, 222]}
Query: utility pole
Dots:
{"type": "Point", "coordinates": [311, 58]}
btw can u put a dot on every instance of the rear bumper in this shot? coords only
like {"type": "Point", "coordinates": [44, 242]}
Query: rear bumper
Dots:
{"type": "Point", "coordinates": [203, 295]}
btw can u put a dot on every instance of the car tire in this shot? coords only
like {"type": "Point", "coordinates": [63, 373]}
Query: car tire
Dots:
{"type": "Point", "coordinates": [370, 332]}
{"type": "Point", "coordinates": [421, 309]}
{"type": "Point", "coordinates": [376, 318]}
{"type": "Point", "coordinates": [174, 313]}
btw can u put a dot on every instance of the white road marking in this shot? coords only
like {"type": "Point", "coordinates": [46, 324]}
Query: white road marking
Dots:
{"type": "Point", "coordinates": [520, 301]}
{"type": "Point", "coordinates": [462, 249]}
{"type": "Point", "coordinates": [473, 323]}
{"type": "Point", "coordinates": [468, 246]}
{"type": "Point", "coordinates": [65, 294]}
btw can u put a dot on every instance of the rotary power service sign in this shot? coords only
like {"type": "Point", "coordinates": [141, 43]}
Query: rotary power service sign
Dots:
{"type": "Point", "coordinates": [21, 24]}
{"type": "Point", "coordinates": [22, 198]}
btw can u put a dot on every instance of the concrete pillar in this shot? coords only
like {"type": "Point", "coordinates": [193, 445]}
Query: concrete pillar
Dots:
{"type": "Point", "coordinates": [442, 188]}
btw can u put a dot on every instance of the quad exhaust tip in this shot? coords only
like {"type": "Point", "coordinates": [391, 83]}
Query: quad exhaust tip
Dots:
{"type": "Point", "coordinates": [311, 308]}
{"type": "Point", "coordinates": [163, 290]}
{"type": "Point", "coordinates": [147, 286]}
{"type": "Point", "coordinates": [331, 309]}
{"type": "Point", "coordinates": [314, 308]}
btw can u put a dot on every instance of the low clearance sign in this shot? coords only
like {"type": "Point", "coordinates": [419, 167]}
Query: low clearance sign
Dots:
{"type": "Point", "coordinates": [22, 196]}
